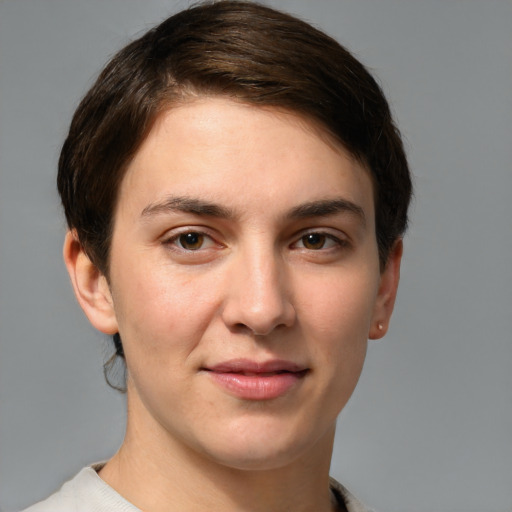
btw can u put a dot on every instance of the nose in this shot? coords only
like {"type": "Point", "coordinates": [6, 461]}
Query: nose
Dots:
{"type": "Point", "coordinates": [258, 299]}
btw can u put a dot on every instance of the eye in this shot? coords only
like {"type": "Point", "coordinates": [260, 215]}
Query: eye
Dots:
{"type": "Point", "coordinates": [318, 241]}
{"type": "Point", "coordinates": [191, 241]}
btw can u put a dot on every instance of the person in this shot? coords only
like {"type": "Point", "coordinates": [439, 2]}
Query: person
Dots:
{"type": "Point", "coordinates": [236, 193]}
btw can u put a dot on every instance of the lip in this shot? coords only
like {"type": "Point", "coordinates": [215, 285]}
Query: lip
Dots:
{"type": "Point", "coordinates": [253, 380]}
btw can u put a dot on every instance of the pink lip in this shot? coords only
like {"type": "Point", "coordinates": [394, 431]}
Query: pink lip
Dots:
{"type": "Point", "coordinates": [252, 380]}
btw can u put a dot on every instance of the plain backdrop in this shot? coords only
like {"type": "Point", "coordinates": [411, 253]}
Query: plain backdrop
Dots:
{"type": "Point", "coordinates": [429, 428]}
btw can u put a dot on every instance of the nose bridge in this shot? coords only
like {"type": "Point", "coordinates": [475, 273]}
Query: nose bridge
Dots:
{"type": "Point", "coordinates": [263, 275]}
{"type": "Point", "coordinates": [258, 298]}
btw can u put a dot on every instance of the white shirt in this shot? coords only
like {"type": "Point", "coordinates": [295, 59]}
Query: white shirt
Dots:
{"type": "Point", "coordinates": [87, 492]}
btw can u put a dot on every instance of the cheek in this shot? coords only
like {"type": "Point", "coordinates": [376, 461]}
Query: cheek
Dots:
{"type": "Point", "coordinates": [339, 305]}
{"type": "Point", "coordinates": [158, 308]}
{"type": "Point", "coordinates": [337, 316]}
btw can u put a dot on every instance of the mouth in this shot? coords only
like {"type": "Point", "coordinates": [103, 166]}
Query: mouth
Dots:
{"type": "Point", "coordinates": [251, 380]}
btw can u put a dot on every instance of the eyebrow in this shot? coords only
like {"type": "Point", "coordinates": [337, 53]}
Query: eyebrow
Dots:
{"type": "Point", "coordinates": [187, 205]}
{"type": "Point", "coordinates": [195, 206]}
{"type": "Point", "coordinates": [327, 207]}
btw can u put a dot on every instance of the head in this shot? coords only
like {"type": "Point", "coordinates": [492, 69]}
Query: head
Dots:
{"type": "Point", "coordinates": [236, 192]}
{"type": "Point", "coordinates": [236, 50]}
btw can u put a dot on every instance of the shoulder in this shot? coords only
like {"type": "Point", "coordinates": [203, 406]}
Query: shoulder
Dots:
{"type": "Point", "coordinates": [344, 497]}
{"type": "Point", "coordinates": [86, 492]}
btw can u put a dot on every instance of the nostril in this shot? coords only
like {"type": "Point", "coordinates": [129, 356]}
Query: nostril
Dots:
{"type": "Point", "coordinates": [241, 328]}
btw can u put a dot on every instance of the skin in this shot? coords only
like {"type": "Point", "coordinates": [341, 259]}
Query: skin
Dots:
{"type": "Point", "coordinates": [261, 276]}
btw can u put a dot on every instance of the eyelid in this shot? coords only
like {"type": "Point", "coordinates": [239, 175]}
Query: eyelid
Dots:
{"type": "Point", "coordinates": [340, 239]}
{"type": "Point", "coordinates": [171, 236]}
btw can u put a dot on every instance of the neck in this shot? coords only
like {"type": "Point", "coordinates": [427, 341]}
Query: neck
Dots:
{"type": "Point", "coordinates": [157, 473]}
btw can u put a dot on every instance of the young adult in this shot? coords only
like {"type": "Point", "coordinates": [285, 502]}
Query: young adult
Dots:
{"type": "Point", "coordinates": [236, 192]}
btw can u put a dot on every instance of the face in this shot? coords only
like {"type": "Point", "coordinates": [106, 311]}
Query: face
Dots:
{"type": "Point", "coordinates": [244, 282]}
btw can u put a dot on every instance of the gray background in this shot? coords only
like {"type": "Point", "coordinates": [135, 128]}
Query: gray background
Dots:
{"type": "Point", "coordinates": [430, 426]}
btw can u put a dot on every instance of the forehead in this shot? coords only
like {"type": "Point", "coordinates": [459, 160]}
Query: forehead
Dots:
{"type": "Point", "coordinates": [227, 151]}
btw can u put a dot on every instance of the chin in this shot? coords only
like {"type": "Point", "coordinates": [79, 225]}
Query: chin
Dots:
{"type": "Point", "coordinates": [257, 448]}
{"type": "Point", "coordinates": [255, 458]}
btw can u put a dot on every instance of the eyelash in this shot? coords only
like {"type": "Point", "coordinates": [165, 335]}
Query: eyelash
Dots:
{"type": "Point", "coordinates": [175, 239]}
{"type": "Point", "coordinates": [326, 238]}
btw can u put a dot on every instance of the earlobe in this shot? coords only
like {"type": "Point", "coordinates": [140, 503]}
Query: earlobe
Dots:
{"type": "Point", "coordinates": [386, 295]}
{"type": "Point", "coordinates": [90, 285]}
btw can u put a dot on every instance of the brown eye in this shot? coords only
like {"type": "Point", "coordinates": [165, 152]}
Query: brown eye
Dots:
{"type": "Point", "coordinates": [191, 241]}
{"type": "Point", "coordinates": [314, 241]}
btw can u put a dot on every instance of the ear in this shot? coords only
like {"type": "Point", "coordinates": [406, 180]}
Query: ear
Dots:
{"type": "Point", "coordinates": [386, 295]}
{"type": "Point", "coordinates": [90, 286]}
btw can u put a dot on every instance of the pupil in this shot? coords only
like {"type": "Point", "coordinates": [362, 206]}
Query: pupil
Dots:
{"type": "Point", "coordinates": [191, 240]}
{"type": "Point", "coordinates": [314, 241]}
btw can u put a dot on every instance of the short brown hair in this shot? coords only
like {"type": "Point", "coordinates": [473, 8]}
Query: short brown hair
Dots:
{"type": "Point", "coordinates": [237, 49]}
